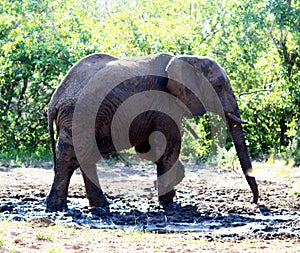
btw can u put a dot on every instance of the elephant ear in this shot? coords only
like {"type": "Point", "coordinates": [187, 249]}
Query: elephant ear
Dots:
{"type": "Point", "coordinates": [184, 75]}
{"type": "Point", "coordinates": [176, 89]}
{"type": "Point", "coordinates": [176, 80]}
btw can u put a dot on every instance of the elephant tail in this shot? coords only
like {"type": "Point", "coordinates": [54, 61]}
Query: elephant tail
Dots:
{"type": "Point", "coordinates": [51, 117]}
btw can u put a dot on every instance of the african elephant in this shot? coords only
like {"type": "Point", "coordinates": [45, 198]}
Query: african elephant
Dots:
{"type": "Point", "coordinates": [105, 104]}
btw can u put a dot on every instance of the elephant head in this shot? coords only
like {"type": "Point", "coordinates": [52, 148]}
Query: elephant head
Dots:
{"type": "Point", "coordinates": [202, 85]}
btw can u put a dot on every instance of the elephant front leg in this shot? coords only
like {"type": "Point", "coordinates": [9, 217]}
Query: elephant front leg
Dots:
{"type": "Point", "coordinates": [170, 172]}
{"type": "Point", "coordinates": [93, 190]}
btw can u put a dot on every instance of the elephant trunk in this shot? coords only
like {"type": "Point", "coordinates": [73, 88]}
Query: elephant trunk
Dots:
{"type": "Point", "coordinates": [238, 138]}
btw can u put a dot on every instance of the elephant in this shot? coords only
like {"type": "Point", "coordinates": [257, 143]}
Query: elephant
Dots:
{"type": "Point", "coordinates": [106, 104]}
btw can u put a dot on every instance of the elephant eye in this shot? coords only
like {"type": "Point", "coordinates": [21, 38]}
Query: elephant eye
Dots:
{"type": "Point", "coordinates": [218, 87]}
{"type": "Point", "coordinates": [220, 83]}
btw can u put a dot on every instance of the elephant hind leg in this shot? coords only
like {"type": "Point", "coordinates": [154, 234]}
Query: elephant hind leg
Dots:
{"type": "Point", "coordinates": [65, 165]}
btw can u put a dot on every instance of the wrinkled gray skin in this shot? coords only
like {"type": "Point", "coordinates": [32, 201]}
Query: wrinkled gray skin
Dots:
{"type": "Point", "coordinates": [62, 106]}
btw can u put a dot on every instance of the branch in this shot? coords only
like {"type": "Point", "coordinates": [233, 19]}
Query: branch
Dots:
{"type": "Point", "coordinates": [19, 110]}
{"type": "Point", "coordinates": [25, 84]}
{"type": "Point", "coordinates": [53, 25]}
{"type": "Point", "coordinates": [191, 130]}
{"type": "Point", "coordinates": [271, 34]}
{"type": "Point", "coordinates": [255, 91]}
{"type": "Point", "coordinates": [10, 91]}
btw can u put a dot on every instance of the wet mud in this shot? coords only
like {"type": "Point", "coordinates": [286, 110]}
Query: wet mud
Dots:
{"type": "Point", "coordinates": [210, 203]}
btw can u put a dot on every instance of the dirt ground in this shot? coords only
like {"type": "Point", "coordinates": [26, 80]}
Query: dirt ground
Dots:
{"type": "Point", "coordinates": [215, 202]}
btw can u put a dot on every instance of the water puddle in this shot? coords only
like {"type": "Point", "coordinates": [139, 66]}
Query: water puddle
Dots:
{"type": "Point", "coordinates": [150, 217]}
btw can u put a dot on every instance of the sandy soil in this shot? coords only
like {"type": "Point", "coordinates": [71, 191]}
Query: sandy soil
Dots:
{"type": "Point", "coordinates": [212, 191]}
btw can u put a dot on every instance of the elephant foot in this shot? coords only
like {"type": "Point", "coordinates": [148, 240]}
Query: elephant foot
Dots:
{"type": "Point", "coordinates": [167, 199]}
{"type": "Point", "coordinates": [98, 201]}
{"type": "Point", "coordinates": [55, 204]}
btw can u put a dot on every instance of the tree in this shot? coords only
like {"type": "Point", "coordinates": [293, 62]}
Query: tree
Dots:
{"type": "Point", "coordinates": [256, 42]}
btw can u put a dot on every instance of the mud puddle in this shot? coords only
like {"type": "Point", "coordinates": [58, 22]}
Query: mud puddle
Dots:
{"type": "Point", "coordinates": [150, 217]}
{"type": "Point", "coordinates": [204, 206]}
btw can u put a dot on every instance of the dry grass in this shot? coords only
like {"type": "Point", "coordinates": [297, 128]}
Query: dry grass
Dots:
{"type": "Point", "coordinates": [43, 236]}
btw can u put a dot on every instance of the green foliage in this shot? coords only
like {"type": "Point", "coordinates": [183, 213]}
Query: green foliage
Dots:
{"type": "Point", "coordinates": [257, 43]}
{"type": "Point", "coordinates": [196, 142]}
{"type": "Point", "coordinates": [31, 63]}
{"type": "Point", "coordinates": [44, 237]}
{"type": "Point", "coordinates": [26, 158]}
{"type": "Point", "coordinates": [273, 119]}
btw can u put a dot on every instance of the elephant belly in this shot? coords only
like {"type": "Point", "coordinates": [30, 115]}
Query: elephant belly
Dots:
{"type": "Point", "coordinates": [116, 126]}
{"type": "Point", "coordinates": [111, 137]}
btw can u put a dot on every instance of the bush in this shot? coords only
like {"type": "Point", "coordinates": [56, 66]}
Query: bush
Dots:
{"type": "Point", "coordinates": [257, 43]}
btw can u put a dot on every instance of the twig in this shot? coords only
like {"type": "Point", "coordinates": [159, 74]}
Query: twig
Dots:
{"type": "Point", "coordinates": [53, 25]}
{"type": "Point", "coordinates": [271, 34]}
{"type": "Point", "coordinates": [19, 109]}
{"type": "Point", "coordinates": [191, 130]}
{"type": "Point", "coordinates": [255, 91]}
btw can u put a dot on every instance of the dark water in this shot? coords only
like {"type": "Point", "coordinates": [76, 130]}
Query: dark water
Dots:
{"type": "Point", "coordinates": [149, 216]}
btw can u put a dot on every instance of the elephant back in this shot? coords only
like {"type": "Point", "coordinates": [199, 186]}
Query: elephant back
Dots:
{"type": "Point", "coordinates": [78, 77]}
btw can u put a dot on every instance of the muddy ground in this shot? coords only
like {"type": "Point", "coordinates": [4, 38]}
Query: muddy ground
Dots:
{"type": "Point", "coordinates": [211, 204]}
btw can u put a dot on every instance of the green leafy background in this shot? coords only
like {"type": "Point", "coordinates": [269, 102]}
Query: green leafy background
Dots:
{"type": "Point", "coordinates": [257, 42]}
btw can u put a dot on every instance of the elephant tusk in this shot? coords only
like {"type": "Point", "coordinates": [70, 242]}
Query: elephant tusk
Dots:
{"type": "Point", "coordinates": [235, 118]}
